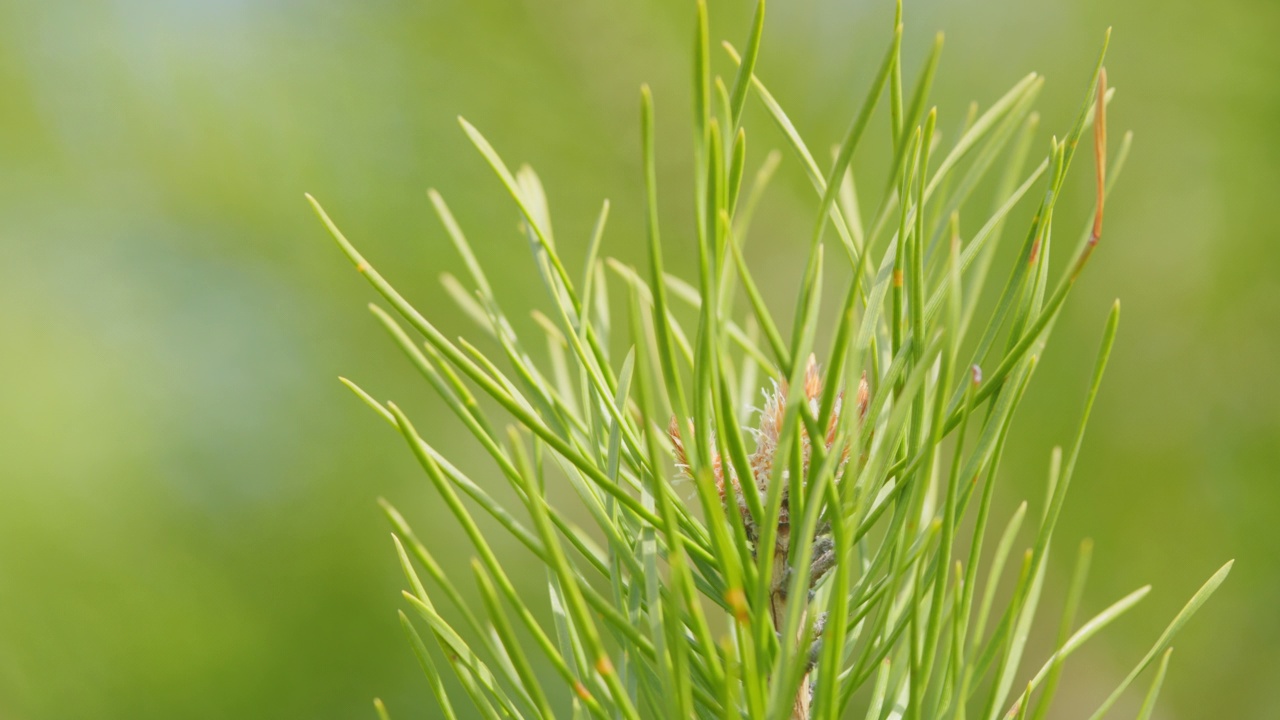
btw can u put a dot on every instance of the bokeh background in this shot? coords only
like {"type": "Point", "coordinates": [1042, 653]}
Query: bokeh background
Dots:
{"type": "Point", "coordinates": [188, 524]}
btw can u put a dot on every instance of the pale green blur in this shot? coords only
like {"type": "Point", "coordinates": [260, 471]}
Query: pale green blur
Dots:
{"type": "Point", "coordinates": [188, 526]}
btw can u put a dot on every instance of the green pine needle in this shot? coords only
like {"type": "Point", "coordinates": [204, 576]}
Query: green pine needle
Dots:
{"type": "Point", "coordinates": [819, 557]}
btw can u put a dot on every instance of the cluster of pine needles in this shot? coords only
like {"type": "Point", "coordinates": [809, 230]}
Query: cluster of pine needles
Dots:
{"type": "Point", "coordinates": [828, 554]}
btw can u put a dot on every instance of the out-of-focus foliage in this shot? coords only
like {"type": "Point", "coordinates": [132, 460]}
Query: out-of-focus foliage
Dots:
{"type": "Point", "coordinates": [187, 525]}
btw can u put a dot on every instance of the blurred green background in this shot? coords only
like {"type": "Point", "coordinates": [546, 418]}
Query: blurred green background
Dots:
{"type": "Point", "coordinates": [187, 516]}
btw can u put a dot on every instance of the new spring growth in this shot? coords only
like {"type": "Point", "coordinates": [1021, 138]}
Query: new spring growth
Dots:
{"type": "Point", "coordinates": [762, 460]}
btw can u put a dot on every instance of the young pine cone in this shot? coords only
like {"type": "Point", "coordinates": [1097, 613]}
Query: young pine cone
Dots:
{"type": "Point", "coordinates": [762, 460]}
